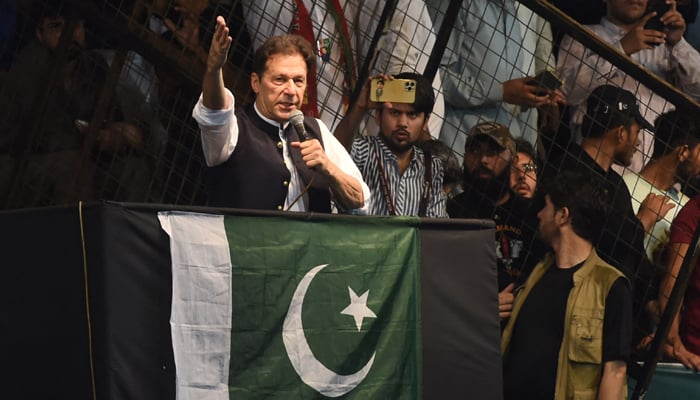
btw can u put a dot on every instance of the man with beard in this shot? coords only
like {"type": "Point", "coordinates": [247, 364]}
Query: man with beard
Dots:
{"type": "Point", "coordinates": [403, 179]}
{"type": "Point", "coordinates": [523, 172]}
{"type": "Point", "coordinates": [663, 51]}
{"type": "Point", "coordinates": [488, 154]}
{"type": "Point", "coordinates": [676, 160]}
{"type": "Point", "coordinates": [569, 335]}
{"type": "Point", "coordinates": [611, 127]}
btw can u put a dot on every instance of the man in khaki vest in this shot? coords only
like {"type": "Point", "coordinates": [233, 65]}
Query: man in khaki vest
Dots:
{"type": "Point", "coordinates": [570, 332]}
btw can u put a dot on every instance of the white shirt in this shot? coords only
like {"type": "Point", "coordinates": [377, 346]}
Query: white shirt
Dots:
{"type": "Point", "coordinates": [639, 189]}
{"type": "Point", "coordinates": [405, 45]}
{"type": "Point", "coordinates": [219, 131]}
{"type": "Point", "coordinates": [583, 70]}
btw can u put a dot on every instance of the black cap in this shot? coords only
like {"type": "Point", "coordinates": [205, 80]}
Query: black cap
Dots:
{"type": "Point", "coordinates": [608, 103]}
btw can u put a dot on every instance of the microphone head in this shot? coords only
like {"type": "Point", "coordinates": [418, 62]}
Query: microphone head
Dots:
{"type": "Point", "coordinates": [296, 117]}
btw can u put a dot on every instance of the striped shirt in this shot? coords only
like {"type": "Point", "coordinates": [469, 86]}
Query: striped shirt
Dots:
{"type": "Point", "coordinates": [406, 189]}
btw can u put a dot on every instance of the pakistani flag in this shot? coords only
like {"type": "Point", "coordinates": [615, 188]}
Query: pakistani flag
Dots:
{"type": "Point", "coordinates": [249, 305]}
{"type": "Point", "coordinates": [279, 308]}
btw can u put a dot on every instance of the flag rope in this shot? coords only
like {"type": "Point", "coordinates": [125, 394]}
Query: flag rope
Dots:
{"type": "Point", "coordinates": [87, 300]}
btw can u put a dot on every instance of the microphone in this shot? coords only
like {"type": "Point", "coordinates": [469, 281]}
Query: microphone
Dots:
{"type": "Point", "coordinates": [296, 118]}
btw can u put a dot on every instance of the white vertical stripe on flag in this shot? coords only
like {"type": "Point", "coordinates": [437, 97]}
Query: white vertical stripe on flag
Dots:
{"type": "Point", "coordinates": [200, 317]}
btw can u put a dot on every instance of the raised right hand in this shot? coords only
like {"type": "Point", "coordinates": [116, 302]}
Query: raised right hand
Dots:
{"type": "Point", "coordinates": [220, 45]}
{"type": "Point", "coordinates": [363, 101]}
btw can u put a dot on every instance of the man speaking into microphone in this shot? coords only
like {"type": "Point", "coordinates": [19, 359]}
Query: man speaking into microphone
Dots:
{"type": "Point", "coordinates": [261, 160]}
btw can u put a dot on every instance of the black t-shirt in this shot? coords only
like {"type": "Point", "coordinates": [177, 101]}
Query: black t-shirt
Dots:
{"type": "Point", "coordinates": [621, 243]}
{"type": "Point", "coordinates": [518, 249]}
{"type": "Point", "coordinates": [530, 368]}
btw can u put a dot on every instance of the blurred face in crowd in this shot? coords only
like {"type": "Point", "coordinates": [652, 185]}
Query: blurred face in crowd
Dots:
{"type": "Point", "coordinates": [523, 175]}
{"type": "Point", "coordinates": [280, 89]}
{"type": "Point", "coordinates": [49, 32]}
{"type": "Point", "coordinates": [626, 12]}
{"type": "Point", "coordinates": [401, 126]}
{"type": "Point", "coordinates": [485, 159]}
{"type": "Point", "coordinates": [549, 224]}
{"type": "Point", "coordinates": [627, 144]}
{"type": "Point", "coordinates": [689, 168]}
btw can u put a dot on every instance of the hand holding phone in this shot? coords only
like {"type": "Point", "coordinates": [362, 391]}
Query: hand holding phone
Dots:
{"type": "Point", "coordinates": [546, 79]}
{"type": "Point", "coordinates": [393, 90]}
{"type": "Point", "coordinates": [655, 23]}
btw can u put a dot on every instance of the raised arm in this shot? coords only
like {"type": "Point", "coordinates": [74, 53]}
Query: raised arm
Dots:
{"type": "Point", "coordinates": [349, 126]}
{"type": "Point", "coordinates": [213, 89]}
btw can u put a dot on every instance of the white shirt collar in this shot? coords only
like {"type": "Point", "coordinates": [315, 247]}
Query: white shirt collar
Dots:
{"type": "Point", "coordinates": [268, 120]}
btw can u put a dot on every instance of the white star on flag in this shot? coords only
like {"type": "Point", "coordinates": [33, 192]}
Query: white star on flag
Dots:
{"type": "Point", "coordinates": [358, 308]}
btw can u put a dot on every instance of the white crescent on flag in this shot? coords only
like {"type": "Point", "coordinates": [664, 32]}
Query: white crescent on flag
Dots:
{"type": "Point", "coordinates": [310, 369]}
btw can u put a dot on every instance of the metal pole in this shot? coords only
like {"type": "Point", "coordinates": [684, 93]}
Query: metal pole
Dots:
{"type": "Point", "coordinates": [443, 36]}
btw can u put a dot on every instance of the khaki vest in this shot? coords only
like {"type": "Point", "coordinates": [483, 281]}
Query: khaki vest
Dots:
{"type": "Point", "coordinates": [579, 368]}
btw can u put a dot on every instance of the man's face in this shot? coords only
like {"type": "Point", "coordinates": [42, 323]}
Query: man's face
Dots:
{"type": "Point", "coordinates": [523, 175]}
{"type": "Point", "coordinates": [485, 159]}
{"type": "Point", "coordinates": [626, 11]}
{"type": "Point", "coordinates": [49, 32]}
{"type": "Point", "coordinates": [628, 144]}
{"type": "Point", "coordinates": [280, 89]}
{"type": "Point", "coordinates": [548, 227]}
{"type": "Point", "coordinates": [689, 169]}
{"type": "Point", "coordinates": [401, 126]}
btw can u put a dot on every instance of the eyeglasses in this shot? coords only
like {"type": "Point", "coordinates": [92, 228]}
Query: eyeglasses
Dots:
{"type": "Point", "coordinates": [525, 168]}
{"type": "Point", "coordinates": [530, 167]}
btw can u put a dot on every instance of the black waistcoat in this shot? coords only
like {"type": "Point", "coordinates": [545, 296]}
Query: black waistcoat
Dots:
{"type": "Point", "coordinates": [255, 176]}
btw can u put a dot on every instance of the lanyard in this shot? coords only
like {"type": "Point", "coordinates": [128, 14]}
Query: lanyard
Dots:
{"type": "Point", "coordinates": [385, 183]}
{"type": "Point", "coordinates": [427, 184]}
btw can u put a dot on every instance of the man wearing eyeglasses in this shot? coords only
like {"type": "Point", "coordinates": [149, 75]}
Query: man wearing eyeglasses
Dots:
{"type": "Point", "coordinates": [488, 156]}
{"type": "Point", "coordinates": [523, 171]}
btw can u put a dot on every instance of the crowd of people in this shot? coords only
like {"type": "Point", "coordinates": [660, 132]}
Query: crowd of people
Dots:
{"type": "Point", "coordinates": [574, 237]}
{"type": "Point", "coordinates": [589, 236]}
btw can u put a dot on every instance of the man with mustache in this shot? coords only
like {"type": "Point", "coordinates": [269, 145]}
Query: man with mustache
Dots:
{"type": "Point", "coordinates": [523, 173]}
{"type": "Point", "coordinates": [404, 179]}
{"type": "Point", "coordinates": [568, 337]}
{"type": "Point", "coordinates": [488, 154]}
{"type": "Point", "coordinates": [263, 162]}
{"type": "Point", "coordinates": [611, 126]}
